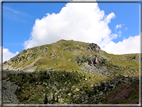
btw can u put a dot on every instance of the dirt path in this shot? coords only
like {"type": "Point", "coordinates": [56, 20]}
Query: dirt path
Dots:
{"type": "Point", "coordinates": [31, 65]}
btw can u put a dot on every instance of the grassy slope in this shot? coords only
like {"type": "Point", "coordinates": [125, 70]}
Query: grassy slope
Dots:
{"type": "Point", "coordinates": [127, 64]}
{"type": "Point", "coordinates": [39, 83]}
{"type": "Point", "coordinates": [34, 86]}
{"type": "Point", "coordinates": [61, 62]}
{"type": "Point", "coordinates": [59, 59]}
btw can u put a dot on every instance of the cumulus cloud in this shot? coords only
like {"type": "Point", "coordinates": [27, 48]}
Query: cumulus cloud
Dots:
{"type": "Point", "coordinates": [81, 22]}
{"type": "Point", "coordinates": [77, 21]}
{"type": "Point", "coordinates": [7, 54]}
{"type": "Point", "coordinates": [130, 45]}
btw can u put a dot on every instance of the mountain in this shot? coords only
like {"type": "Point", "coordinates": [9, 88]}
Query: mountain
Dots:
{"type": "Point", "coordinates": [71, 72]}
{"type": "Point", "coordinates": [74, 56]}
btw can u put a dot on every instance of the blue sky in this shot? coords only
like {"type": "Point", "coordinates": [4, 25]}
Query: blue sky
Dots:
{"type": "Point", "coordinates": [127, 14]}
{"type": "Point", "coordinates": [113, 26]}
{"type": "Point", "coordinates": [17, 26]}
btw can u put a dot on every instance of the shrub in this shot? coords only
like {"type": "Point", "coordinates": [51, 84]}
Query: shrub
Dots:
{"type": "Point", "coordinates": [45, 99]}
{"type": "Point", "coordinates": [33, 54]}
{"type": "Point", "coordinates": [24, 51]}
{"type": "Point", "coordinates": [23, 57]}
{"type": "Point", "coordinates": [134, 57]}
{"type": "Point", "coordinates": [32, 80]}
{"type": "Point", "coordinates": [19, 59]}
{"type": "Point", "coordinates": [103, 61]}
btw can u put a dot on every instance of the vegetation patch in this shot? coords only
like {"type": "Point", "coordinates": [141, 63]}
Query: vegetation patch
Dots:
{"type": "Point", "coordinates": [71, 72]}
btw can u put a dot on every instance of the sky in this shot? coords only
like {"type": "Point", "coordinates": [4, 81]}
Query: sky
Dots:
{"type": "Point", "coordinates": [115, 27]}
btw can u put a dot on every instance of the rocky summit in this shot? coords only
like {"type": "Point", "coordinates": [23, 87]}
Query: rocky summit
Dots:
{"type": "Point", "coordinates": [70, 72]}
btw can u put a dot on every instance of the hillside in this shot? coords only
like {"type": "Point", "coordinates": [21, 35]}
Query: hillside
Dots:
{"type": "Point", "coordinates": [71, 72]}
{"type": "Point", "coordinates": [74, 56]}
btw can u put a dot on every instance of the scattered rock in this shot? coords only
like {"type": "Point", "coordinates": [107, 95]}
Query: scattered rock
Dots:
{"type": "Point", "coordinates": [69, 59]}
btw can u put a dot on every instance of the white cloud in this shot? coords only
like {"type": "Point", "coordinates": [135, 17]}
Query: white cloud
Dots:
{"type": "Point", "coordinates": [130, 45]}
{"type": "Point", "coordinates": [118, 26]}
{"type": "Point", "coordinates": [126, 28]}
{"type": "Point", "coordinates": [7, 54]}
{"type": "Point", "coordinates": [81, 22]}
{"type": "Point", "coordinates": [77, 21]}
{"type": "Point", "coordinates": [119, 33]}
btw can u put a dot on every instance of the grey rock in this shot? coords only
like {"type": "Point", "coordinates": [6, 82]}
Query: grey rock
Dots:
{"type": "Point", "coordinates": [94, 47]}
{"type": "Point", "coordinates": [9, 89]}
{"type": "Point", "coordinates": [92, 69]}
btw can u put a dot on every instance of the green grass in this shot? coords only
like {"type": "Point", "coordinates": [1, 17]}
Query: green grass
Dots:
{"type": "Point", "coordinates": [31, 91]}
{"type": "Point", "coordinates": [124, 60]}
{"type": "Point", "coordinates": [59, 59]}
{"type": "Point", "coordinates": [33, 86]}
{"type": "Point", "coordinates": [61, 62]}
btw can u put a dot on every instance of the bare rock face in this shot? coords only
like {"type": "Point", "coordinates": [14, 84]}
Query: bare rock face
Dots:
{"type": "Point", "coordinates": [94, 47]}
{"type": "Point", "coordinates": [9, 89]}
{"type": "Point", "coordinates": [97, 61]}
{"type": "Point", "coordinates": [94, 69]}
{"type": "Point", "coordinates": [92, 60]}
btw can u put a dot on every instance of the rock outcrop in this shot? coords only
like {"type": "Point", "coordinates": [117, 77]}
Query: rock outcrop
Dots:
{"type": "Point", "coordinates": [9, 90]}
{"type": "Point", "coordinates": [92, 60]}
{"type": "Point", "coordinates": [93, 69]}
{"type": "Point", "coordinates": [94, 47]}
